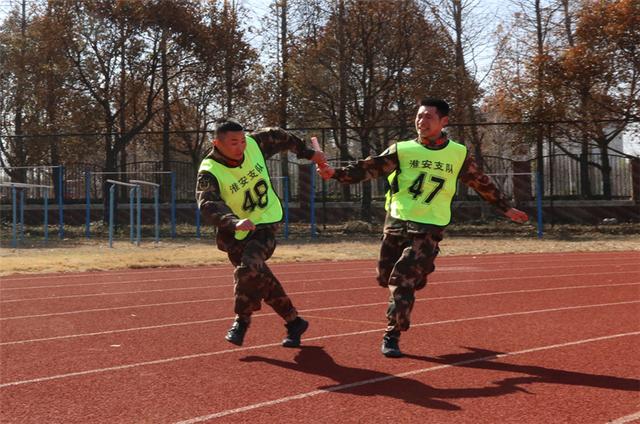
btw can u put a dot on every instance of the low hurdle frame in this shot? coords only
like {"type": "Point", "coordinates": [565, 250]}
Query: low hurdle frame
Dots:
{"type": "Point", "coordinates": [112, 211]}
{"type": "Point", "coordinates": [172, 205]}
{"type": "Point", "coordinates": [156, 206]}
{"type": "Point", "coordinates": [15, 209]}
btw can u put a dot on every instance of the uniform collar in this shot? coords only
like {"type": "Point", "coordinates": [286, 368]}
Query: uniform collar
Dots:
{"type": "Point", "coordinates": [226, 161]}
{"type": "Point", "coordinates": [440, 143]}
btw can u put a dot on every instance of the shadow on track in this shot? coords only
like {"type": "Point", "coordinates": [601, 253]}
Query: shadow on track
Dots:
{"type": "Point", "coordinates": [364, 382]}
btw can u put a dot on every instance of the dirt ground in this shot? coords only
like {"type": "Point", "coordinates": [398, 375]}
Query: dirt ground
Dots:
{"type": "Point", "coordinates": [357, 241]}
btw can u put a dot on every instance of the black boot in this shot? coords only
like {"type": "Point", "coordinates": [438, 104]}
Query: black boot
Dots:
{"type": "Point", "coordinates": [390, 345]}
{"type": "Point", "coordinates": [237, 331]}
{"type": "Point", "coordinates": [295, 329]}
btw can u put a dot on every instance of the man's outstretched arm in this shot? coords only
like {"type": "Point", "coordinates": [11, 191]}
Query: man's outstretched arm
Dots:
{"type": "Point", "coordinates": [472, 176]}
{"type": "Point", "coordinates": [364, 169]}
{"type": "Point", "coordinates": [275, 140]}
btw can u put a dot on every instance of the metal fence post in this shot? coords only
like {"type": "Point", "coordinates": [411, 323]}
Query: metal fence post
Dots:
{"type": "Point", "coordinates": [112, 190]}
{"type": "Point", "coordinates": [312, 202]}
{"type": "Point", "coordinates": [173, 204]}
{"type": "Point", "coordinates": [22, 214]}
{"type": "Point", "coordinates": [539, 203]}
{"type": "Point", "coordinates": [46, 215]}
{"type": "Point", "coordinates": [131, 224]}
{"type": "Point", "coordinates": [138, 190]}
{"type": "Point", "coordinates": [286, 207]}
{"type": "Point", "coordinates": [156, 195]}
{"type": "Point", "coordinates": [197, 222]}
{"type": "Point", "coordinates": [14, 239]}
{"type": "Point", "coordinates": [61, 201]}
{"type": "Point", "coordinates": [87, 189]}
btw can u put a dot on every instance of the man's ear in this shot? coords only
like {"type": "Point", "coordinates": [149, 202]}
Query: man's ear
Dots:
{"type": "Point", "coordinates": [215, 142]}
{"type": "Point", "coordinates": [444, 121]}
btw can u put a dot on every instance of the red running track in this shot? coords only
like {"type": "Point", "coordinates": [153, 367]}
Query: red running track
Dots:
{"type": "Point", "coordinates": [495, 339]}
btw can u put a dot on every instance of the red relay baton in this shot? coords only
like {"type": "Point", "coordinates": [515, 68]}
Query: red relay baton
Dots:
{"type": "Point", "coordinates": [316, 147]}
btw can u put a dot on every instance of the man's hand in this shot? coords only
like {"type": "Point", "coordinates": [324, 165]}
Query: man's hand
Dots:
{"type": "Point", "coordinates": [245, 225]}
{"type": "Point", "coordinates": [326, 171]}
{"type": "Point", "coordinates": [517, 215]}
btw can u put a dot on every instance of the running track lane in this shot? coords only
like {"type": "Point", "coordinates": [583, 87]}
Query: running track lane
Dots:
{"type": "Point", "coordinates": [200, 386]}
{"type": "Point", "coordinates": [354, 356]}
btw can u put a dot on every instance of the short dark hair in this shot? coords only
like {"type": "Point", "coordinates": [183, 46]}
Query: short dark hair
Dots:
{"type": "Point", "coordinates": [225, 125]}
{"type": "Point", "coordinates": [441, 106]}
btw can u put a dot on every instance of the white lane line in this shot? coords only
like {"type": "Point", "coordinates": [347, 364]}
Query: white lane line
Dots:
{"type": "Point", "coordinates": [182, 302]}
{"type": "Point", "coordinates": [331, 336]}
{"type": "Point", "coordinates": [26, 299]}
{"type": "Point", "coordinates": [217, 299]}
{"type": "Point", "coordinates": [226, 276]}
{"type": "Point", "coordinates": [368, 274]}
{"type": "Point", "coordinates": [369, 269]}
{"type": "Point", "coordinates": [528, 277]}
{"type": "Point", "coordinates": [450, 261]}
{"type": "Point", "coordinates": [395, 376]}
{"type": "Point", "coordinates": [626, 419]}
{"type": "Point", "coordinates": [330, 308]}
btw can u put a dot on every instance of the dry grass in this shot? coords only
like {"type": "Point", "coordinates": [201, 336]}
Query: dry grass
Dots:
{"type": "Point", "coordinates": [92, 255]}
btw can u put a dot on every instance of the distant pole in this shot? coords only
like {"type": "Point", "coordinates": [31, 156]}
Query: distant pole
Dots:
{"type": "Point", "coordinates": [22, 214]}
{"type": "Point", "coordinates": [112, 190]}
{"type": "Point", "coordinates": [197, 222]}
{"type": "Point", "coordinates": [131, 224]}
{"type": "Point", "coordinates": [324, 192]}
{"type": "Point", "coordinates": [173, 204]}
{"type": "Point", "coordinates": [46, 215]}
{"type": "Point", "coordinates": [286, 207]}
{"type": "Point", "coordinates": [87, 189]}
{"type": "Point", "coordinates": [139, 220]}
{"type": "Point", "coordinates": [312, 202]}
{"type": "Point", "coordinates": [61, 201]}
{"type": "Point", "coordinates": [156, 196]}
{"type": "Point", "coordinates": [14, 239]}
{"type": "Point", "coordinates": [539, 203]}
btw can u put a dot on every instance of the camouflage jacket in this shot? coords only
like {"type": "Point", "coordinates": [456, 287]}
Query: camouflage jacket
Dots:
{"type": "Point", "coordinates": [387, 162]}
{"type": "Point", "coordinates": [213, 209]}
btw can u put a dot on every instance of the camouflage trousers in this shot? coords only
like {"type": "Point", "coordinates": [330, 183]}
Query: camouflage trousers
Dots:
{"type": "Point", "coordinates": [253, 280]}
{"type": "Point", "coordinates": [405, 262]}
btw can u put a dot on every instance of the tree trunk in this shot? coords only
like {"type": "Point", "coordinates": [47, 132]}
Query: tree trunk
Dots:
{"type": "Point", "coordinates": [606, 172]}
{"type": "Point", "coordinates": [585, 181]}
{"type": "Point", "coordinates": [21, 142]}
{"type": "Point", "coordinates": [166, 118]}
{"type": "Point", "coordinates": [342, 96]}
{"type": "Point", "coordinates": [365, 204]}
{"type": "Point", "coordinates": [284, 86]}
{"type": "Point", "coordinates": [110, 167]}
{"type": "Point", "coordinates": [539, 108]}
{"type": "Point", "coordinates": [124, 191]}
{"type": "Point", "coordinates": [460, 92]}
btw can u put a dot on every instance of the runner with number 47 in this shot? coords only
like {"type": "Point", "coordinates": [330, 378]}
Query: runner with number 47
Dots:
{"type": "Point", "coordinates": [422, 175]}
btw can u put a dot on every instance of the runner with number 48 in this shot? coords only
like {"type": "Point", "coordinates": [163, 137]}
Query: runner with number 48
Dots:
{"type": "Point", "coordinates": [235, 194]}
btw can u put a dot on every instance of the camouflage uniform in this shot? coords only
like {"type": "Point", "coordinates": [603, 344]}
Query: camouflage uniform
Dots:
{"type": "Point", "coordinates": [409, 249]}
{"type": "Point", "coordinates": [253, 279]}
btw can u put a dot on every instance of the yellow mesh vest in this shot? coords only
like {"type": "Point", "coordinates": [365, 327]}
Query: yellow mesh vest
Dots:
{"type": "Point", "coordinates": [423, 187]}
{"type": "Point", "coordinates": [247, 189]}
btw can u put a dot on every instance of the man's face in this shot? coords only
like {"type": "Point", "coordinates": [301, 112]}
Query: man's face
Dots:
{"type": "Point", "coordinates": [231, 144]}
{"type": "Point", "coordinates": [428, 122]}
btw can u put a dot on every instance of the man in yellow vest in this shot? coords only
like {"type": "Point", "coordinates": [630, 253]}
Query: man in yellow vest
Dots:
{"type": "Point", "coordinates": [422, 174]}
{"type": "Point", "coordinates": [235, 194]}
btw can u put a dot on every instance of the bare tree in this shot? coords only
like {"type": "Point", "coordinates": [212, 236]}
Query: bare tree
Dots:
{"type": "Point", "coordinates": [390, 53]}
